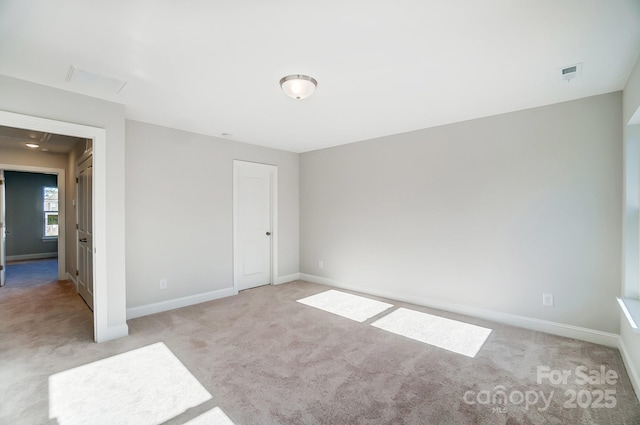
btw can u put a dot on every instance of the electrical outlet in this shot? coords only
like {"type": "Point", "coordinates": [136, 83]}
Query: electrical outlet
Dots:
{"type": "Point", "coordinates": [163, 283]}
{"type": "Point", "coordinates": [547, 300]}
{"type": "Point", "coordinates": [320, 264]}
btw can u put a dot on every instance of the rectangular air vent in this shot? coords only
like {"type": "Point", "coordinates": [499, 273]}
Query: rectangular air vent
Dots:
{"type": "Point", "coordinates": [94, 81]}
{"type": "Point", "coordinates": [570, 72]}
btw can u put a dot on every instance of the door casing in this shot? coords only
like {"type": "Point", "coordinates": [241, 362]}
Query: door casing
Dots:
{"type": "Point", "coordinates": [101, 330]}
{"type": "Point", "coordinates": [274, 221]}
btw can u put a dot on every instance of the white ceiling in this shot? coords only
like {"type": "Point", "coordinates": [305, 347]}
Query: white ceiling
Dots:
{"type": "Point", "coordinates": [383, 67]}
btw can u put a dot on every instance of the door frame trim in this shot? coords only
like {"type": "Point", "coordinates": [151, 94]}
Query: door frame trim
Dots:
{"type": "Point", "coordinates": [101, 330]}
{"type": "Point", "coordinates": [60, 174]}
{"type": "Point", "coordinates": [274, 220]}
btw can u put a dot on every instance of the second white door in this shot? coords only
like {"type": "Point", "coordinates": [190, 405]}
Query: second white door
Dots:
{"type": "Point", "coordinates": [253, 226]}
{"type": "Point", "coordinates": [85, 230]}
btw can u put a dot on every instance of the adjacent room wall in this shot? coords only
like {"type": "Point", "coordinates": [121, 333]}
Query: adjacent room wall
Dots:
{"type": "Point", "coordinates": [488, 214]}
{"type": "Point", "coordinates": [24, 214]}
{"type": "Point", "coordinates": [179, 189]}
{"type": "Point", "coordinates": [27, 98]}
{"type": "Point", "coordinates": [33, 158]}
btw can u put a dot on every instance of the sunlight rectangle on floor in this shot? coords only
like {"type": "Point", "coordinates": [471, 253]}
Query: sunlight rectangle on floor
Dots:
{"type": "Point", "coordinates": [346, 305]}
{"type": "Point", "coordinates": [148, 385]}
{"type": "Point", "coordinates": [214, 416]}
{"type": "Point", "coordinates": [459, 337]}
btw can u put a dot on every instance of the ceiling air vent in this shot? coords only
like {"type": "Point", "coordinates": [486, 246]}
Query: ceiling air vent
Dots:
{"type": "Point", "coordinates": [95, 82]}
{"type": "Point", "coordinates": [570, 72]}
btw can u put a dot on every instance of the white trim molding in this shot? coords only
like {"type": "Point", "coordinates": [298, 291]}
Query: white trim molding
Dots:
{"type": "Point", "coordinates": [73, 280]}
{"type": "Point", "coordinates": [632, 368]}
{"type": "Point", "coordinates": [560, 329]}
{"type": "Point", "coordinates": [39, 256]}
{"type": "Point", "coordinates": [109, 333]}
{"type": "Point", "coordinates": [159, 307]}
{"type": "Point", "coordinates": [286, 279]}
{"type": "Point", "coordinates": [631, 310]}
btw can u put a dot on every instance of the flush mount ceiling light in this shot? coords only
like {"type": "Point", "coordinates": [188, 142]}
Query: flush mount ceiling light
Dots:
{"type": "Point", "coordinates": [32, 145]}
{"type": "Point", "coordinates": [298, 86]}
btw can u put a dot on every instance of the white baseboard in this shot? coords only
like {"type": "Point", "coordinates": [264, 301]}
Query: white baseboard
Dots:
{"type": "Point", "coordinates": [145, 310]}
{"type": "Point", "coordinates": [561, 329]}
{"type": "Point", "coordinates": [39, 256]}
{"type": "Point", "coordinates": [632, 367]}
{"type": "Point", "coordinates": [113, 332]}
{"type": "Point", "coordinates": [72, 279]}
{"type": "Point", "coordinates": [288, 278]}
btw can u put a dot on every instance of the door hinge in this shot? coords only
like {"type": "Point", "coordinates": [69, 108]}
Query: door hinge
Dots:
{"type": "Point", "coordinates": [1, 267]}
{"type": "Point", "coordinates": [77, 273]}
{"type": "Point", "coordinates": [77, 181]}
{"type": "Point", "coordinates": [76, 226]}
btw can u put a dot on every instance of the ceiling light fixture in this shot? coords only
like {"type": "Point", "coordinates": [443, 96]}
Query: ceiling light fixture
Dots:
{"type": "Point", "coordinates": [298, 86]}
{"type": "Point", "coordinates": [32, 145]}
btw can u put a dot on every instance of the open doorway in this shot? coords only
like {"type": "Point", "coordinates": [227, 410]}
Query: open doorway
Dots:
{"type": "Point", "coordinates": [40, 240]}
{"type": "Point", "coordinates": [21, 251]}
{"type": "Point", "coordinates": [31, 228]}
{"type": "Point", "coordinates": [106, 300]}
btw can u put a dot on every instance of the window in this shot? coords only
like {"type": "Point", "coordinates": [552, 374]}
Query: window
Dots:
{"type": "Point", "coordinates": [50, 209]}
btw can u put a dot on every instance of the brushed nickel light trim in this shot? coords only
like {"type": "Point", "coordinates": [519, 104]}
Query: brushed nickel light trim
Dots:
{"type": "Point", "coordinates": [298, 86]}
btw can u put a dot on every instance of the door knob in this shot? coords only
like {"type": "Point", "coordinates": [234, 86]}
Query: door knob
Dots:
{"type": "Point", "coordinates": [268, 233]}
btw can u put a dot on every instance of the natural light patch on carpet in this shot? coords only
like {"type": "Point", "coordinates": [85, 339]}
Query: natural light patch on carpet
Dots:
{"type": "Point", "coordinates": [214, 416]}
{"type": "Point", "coordinates": [346, 305]}
{"type": "Point", "coordinates": [144, 386]}
{"type": "Point", "coordinates": [452, 335]}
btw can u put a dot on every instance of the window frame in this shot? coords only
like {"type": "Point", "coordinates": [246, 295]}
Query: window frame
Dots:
{"type": "Point", "coordinates": [47, 212]}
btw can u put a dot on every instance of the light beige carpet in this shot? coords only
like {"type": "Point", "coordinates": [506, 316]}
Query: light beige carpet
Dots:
{"type": "Point", "coordinates": [267, 359]}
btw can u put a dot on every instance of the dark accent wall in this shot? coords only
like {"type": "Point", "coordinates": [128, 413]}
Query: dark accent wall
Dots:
{"type": "Point", "coordinates": [24, 197]}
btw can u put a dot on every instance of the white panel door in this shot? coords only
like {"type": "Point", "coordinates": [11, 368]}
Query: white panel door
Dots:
{"type": "Point", "coordinates": [3, 232]}
{"type": "Point", "coordinates": [84, 215]}
{"type": "Point", "coordinates": [253, 226]}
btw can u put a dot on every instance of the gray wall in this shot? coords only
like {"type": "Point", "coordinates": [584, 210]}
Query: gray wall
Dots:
{"type": "Point", "coordinates": [489, 213]}
{"type": "Point", "coordinates": [179, 188]}
{"type": "Point", "coordinates": [25, 221]}
{"type": "Point", "coordinates": [33, 158]}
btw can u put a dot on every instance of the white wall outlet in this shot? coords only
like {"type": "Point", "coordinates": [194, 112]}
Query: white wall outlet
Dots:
{"type": "Point", "coordinates": [320, 264]}
{"type": "Point", "coordinates": [163, 283]}
{"type": "Point", "coordinates": [547, 300]}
